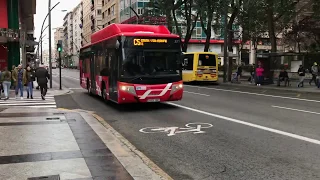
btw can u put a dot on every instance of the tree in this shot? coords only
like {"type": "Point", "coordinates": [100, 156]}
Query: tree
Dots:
{"type": "Point", "coordinates": [208, 10]}
{"type": "Point", "coordinates": [187, 19]}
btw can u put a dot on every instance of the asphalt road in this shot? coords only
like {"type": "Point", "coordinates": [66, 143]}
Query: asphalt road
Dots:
{"type": "Point", "coordinates": [254, 134]}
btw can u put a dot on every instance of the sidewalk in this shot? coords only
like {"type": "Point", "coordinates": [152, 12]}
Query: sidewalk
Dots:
{"type": "Point", "coordinates": [68, 145]}
{"type": "Point", "coordinates": [293, 88]}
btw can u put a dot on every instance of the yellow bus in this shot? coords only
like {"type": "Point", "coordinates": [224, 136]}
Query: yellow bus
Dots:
{"type": "Point", "coordinates": [200, 66]}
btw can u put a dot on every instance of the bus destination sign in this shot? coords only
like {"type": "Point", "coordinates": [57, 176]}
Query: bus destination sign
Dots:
{"type": "Point", "coordinates": [141, 42]}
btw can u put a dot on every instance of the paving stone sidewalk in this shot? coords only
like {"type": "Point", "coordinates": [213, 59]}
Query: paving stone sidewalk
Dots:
{"type": "Point", "coordinates": [70, 145]}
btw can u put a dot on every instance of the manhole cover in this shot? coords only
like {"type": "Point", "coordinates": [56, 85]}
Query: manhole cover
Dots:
{"type": "Point", "coordinates": [53, 177]}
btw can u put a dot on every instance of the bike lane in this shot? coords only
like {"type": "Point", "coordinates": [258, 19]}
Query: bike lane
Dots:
{"type": "Point", "coordinates": [227, 150]}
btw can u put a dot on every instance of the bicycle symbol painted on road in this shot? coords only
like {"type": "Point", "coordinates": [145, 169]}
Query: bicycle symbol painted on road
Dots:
{"type": "Point", "coordinates": [195, 128]}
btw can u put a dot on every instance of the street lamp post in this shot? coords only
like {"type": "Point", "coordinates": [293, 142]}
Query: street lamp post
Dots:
{"type": "Point", "coordinates": [50, 61]}
{"type": "Point", "coordinates": [42, 30]}
{"type": "Point", "coordinates": [40, 39]}
{"type": "Point", "coordinates": [41, 48]}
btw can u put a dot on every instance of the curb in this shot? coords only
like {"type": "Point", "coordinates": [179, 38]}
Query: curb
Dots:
{"type": "Point", "coordinates": [126, 148]}
{"type": "Point", "coordinates": [157, 170]}
{"type": "Point", "coordinates": [270, 88]}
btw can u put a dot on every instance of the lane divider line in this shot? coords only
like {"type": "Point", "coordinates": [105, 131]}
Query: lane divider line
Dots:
{"type": "Point", "coordinates": [257, 94]}
{"type": "Point", "coordinates": [292, 109]}
{"type": "Point", "coordinates": [276, 131]}
{"type": "Point", "coordinates": [196, 93]}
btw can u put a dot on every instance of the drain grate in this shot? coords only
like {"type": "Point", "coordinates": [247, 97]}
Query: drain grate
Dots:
{"type": "Point", "coordinates": [54, 118]}
{"type": "Point", "coordinates": [53, 177]}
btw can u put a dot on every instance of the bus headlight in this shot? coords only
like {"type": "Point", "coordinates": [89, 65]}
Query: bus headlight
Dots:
{"type": "Point", "coordinates": [129, 89]}
{"type": "Point", "coordinates": [176, 87]}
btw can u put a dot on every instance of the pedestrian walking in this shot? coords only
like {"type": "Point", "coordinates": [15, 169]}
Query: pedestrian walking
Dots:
{"type": "Point", "coordinates": [259, 73]}
{"type": "Point", "coordinates": [302, 74]}
{"type": "Point", "coordinates": [6, 82]}
{"type": "Point", "coordinates": [19, 78]}
{"type": "Point", "coordinates": [314, 72]}
{"type": "Point", "coordinates": [30, 78]}
{"type": "Point", "coordinates": [42, 75]}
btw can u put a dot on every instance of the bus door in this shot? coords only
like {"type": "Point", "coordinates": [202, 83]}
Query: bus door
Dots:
{"type": "Point", "coordinates": [92, 73]}
{"type": "Point", "coordinates": [113, 80]}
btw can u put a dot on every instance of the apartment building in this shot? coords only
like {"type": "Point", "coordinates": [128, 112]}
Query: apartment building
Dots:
{"type": "Point", "coordinates": [110, 12]}
{"type": "Point", "coordinates": [92, 19]}
{"type": "Point", "coordinates": [68, 38]}
{"type": "Point", "coordinates": [58, 35]}
{"type": "Point", "coordinates": [76, 35]}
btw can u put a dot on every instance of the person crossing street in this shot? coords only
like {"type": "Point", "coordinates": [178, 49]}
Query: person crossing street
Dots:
{"type": "Point", "coordinates": [42, 76]}
{"type": "Point", "coordinates": [19, 79]}
{"type": "Point", "coordinates": [30, 78]}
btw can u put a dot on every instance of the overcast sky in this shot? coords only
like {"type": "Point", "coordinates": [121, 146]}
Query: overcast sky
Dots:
{"type": "Point", "coordinates": [56, 17]}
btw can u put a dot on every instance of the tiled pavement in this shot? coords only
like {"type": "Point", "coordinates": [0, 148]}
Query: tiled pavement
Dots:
{"type": "Point", "coordinates": [45, 143]}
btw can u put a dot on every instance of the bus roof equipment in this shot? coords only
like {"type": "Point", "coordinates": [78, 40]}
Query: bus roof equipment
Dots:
{"type": "Point", "coordinates": [131, 30]}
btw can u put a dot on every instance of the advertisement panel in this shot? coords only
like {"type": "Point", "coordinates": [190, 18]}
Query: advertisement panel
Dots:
{"type": "Point", "coordinates": [3, 14]}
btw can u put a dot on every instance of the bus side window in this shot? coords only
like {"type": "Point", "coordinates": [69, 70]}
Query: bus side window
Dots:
{"type": "Point", "coordinates": [187, 62]}
{"type": "Point", "coordinates": [83, 69]}
{"type": "Point", "coordinates": [105, 71]}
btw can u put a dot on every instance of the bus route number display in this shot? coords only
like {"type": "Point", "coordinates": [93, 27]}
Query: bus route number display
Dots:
{"type": "Point", "coordinates": [141, 42]}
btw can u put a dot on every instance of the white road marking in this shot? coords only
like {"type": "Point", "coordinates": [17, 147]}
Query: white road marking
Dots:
{"type": "Point", "coordinates": [257, 94]}
{"type": "Point", "coordinates": [71, 78]}
{"type": "Point", "coordinates": [292, 109]}
{"type": "Point", "coordinates": [195, 128]}
{"type": "Point", "coordinates": [74, 88]}
{"type": "Point", "coordinates": [196, 93]}
{"type": "Point", "coordinates": [295, 136]}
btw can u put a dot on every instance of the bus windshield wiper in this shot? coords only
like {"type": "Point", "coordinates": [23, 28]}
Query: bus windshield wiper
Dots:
{"type": "Point", "coordinates": [138, 77]}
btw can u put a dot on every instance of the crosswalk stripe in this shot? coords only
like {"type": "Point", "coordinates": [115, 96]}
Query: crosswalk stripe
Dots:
{"type": "Point", "coordinates": [20, 104]}
{"type": "Point", "coordinates": [49, 106]}
{"type": "Point", "coordinates": [37, 102]}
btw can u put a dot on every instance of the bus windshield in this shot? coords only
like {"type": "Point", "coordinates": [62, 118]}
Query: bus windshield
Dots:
{"type": "Point", "coordinates": [141, 62]}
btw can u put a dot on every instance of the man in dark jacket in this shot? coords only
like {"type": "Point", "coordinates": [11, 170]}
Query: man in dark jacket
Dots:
{"type": "Point", "coordinates": [42, 78]}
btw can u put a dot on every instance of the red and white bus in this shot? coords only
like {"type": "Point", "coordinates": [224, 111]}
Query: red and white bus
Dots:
{"type": "Point", "coordinates": [127, 63]}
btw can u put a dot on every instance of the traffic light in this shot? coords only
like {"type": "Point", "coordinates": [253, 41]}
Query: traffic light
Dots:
{"type": "Point", "coordinates": [59, 46]}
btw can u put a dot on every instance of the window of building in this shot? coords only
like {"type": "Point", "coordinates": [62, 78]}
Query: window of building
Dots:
{"type": "Point", "coordinates": [109, 12]}
{"type": "Point", "coordinates": [99, 11]}
{"type": "Point", "coordinates": [112, 10]}
{"type": "Point", "coordinates": [103, 15]}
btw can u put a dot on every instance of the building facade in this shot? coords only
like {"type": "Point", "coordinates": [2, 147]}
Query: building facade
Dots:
{"type": "Point", "coordinates": [67, 46]}
{"type": "Point", "coordinates": [76, 36]}
{"type": "Point", "coordinates": [92, 19]}
{"type": "Point", "coordinates": [17, 43]}
{"type": "Point", "coordinates": [110, 12]}
{"type": "Point", "coordinates": [58, 35]}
